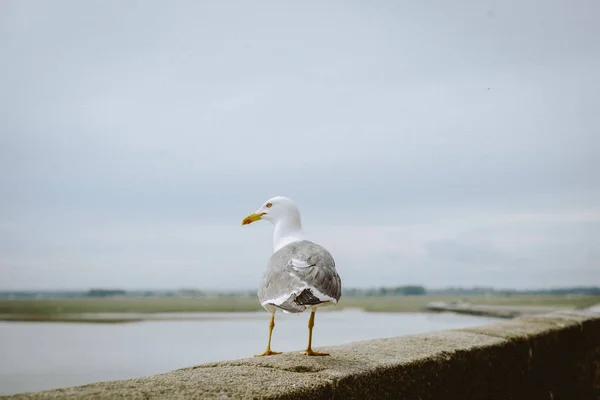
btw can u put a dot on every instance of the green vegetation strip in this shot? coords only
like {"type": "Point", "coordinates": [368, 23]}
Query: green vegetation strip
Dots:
{"type": "Point", "coordinates": [67, 310]}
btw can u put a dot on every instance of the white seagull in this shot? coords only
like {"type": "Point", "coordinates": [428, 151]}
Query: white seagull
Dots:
{"type": "Point", "coordinates": [300, 275]}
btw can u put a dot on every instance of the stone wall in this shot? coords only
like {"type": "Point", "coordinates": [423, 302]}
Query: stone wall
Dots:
{"type": "Point", "coordinates": [549, 356]}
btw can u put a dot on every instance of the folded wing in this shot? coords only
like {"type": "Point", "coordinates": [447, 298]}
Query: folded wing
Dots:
{"type": "Point", "coordinates": [300, 275]}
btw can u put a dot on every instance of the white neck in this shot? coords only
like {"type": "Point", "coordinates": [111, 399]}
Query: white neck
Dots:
{"type": "Point", "coordinates": [287, 230]}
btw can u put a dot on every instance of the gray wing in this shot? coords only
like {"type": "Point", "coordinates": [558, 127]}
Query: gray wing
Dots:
{"type": "Point", "coordinates": [300, 274]}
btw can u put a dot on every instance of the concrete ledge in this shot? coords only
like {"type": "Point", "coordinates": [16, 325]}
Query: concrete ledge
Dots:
{"type": "Point", "coordinates": [550, 356]}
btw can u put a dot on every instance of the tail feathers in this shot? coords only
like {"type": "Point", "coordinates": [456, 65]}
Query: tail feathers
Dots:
{"type": "Point", "coordinates": [306, 297]}
{"type": "Point", "coordinates": [297, 303]}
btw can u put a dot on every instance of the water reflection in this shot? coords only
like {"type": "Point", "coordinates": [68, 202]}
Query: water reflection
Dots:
{"type": "Point", "coordinates": [37, 356]}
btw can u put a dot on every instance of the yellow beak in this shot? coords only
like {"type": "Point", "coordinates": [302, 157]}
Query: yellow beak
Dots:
{"type": "Point", "coordinates": [252, 218]}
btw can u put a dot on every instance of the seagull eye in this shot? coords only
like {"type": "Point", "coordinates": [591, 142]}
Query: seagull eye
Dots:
{"type": "Point", "coordinates": [269, 205]}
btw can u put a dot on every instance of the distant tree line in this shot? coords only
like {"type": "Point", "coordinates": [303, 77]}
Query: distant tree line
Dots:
{"type": "Point", "coordinates": [410, 290]}
{"type": "Point", "coordinates": [579, 290]}
{"type": "Point", "coordinates": [105, 292]}
{"type": "Point", "coordinates": [407, 290]}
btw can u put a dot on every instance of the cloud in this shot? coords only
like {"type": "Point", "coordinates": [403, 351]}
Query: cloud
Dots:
{"type": "Point", "coordinates": [135, 138]}
{"type": "Point", "coordinates": [481, 254]}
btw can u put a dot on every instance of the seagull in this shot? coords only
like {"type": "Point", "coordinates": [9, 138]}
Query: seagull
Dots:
{"type": "Point", "coordinates": [301, 274]}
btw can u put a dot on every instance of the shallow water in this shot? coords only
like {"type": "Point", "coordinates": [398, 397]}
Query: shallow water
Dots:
{"type": "Point", "coordinates": [36, 356]}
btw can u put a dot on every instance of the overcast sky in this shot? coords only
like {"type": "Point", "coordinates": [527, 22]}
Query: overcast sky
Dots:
{"type": "Point", "coordinates": [425, 142]}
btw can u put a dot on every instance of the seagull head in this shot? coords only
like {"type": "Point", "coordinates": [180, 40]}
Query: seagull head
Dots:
{"type": "Point", "coordinates": [274, 210]}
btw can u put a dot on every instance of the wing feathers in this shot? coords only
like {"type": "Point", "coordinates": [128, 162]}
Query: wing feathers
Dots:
{"type": "Point", "coordinates": [300, 274]}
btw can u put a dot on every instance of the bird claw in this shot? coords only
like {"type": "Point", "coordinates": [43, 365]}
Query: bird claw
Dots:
{"type": "Point", "coordinates": [309, 352]}
{"type": "Point", "coordinates": [268, 352]}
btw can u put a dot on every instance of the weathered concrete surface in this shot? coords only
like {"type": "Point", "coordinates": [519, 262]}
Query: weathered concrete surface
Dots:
{"type": "Point", "coordinates": [463, 307]}
{"type": "Point", "coordinates": [552, 356]}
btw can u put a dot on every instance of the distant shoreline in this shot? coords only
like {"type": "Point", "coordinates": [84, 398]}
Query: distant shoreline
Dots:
{"type": "Point", "coordinates": [131, 309]}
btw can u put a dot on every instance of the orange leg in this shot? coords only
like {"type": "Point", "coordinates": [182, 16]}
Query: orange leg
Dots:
{"type": "Point", "coordinates": [268, 351]}
{"type": "Point", "coordinates": [309, 351]}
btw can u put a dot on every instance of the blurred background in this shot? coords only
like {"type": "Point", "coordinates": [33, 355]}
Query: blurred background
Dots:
{"type": "Point", "coordinates": [441, 152]}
